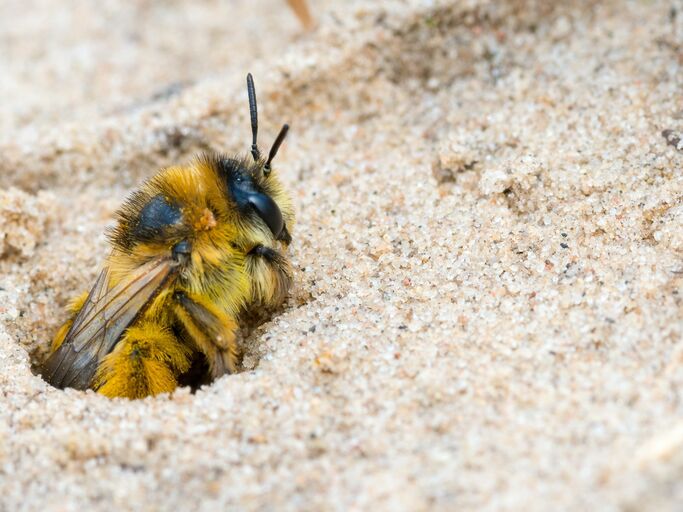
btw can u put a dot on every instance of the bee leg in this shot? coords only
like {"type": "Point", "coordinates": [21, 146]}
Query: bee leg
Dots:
{"type": "Point", "coordinates": [271, 275]}
{"type": "Point", "coordinates": [210, 329]}
{"type": "Point", "coordinates": [146, 361]}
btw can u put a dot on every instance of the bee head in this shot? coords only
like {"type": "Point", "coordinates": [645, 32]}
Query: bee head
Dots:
{"type": "Point", "coordinates": [255, 194]}
{"type": "Point", "coordinates": [251, 185]}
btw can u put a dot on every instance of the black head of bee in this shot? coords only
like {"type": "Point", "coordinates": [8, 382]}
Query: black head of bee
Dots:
{"type": "Point", "coordinates": [250, 197]}
{"type": "Point", "coordinates": [243, 180]}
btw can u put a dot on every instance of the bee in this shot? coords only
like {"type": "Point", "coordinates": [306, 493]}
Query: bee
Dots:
{"type": "Point", "coordinates": [192, 249]}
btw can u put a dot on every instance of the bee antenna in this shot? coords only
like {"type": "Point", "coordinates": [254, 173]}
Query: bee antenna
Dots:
{"type": "Point", "coordinates": [251, 92]}
{"type": "Point", "coordinates": [274, 148]}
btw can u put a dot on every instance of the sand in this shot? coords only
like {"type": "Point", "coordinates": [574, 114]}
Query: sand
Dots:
{"type": "Point", "coordinates": [487, 308]}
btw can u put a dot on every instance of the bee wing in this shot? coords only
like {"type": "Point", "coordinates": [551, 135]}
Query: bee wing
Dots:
{"type": "Point", "coordinates": [104, 316]}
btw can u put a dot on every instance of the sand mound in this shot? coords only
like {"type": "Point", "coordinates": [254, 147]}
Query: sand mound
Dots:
{"type": "Point", "coordinates": [487, 303]}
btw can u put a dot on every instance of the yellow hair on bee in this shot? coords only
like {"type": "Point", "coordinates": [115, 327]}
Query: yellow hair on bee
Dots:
{"type": "Point", "coordinates": [195, 247]}
{"type": "Point", "coordinates": [61, 334]}
{"type": "Point", "coordinates": [218, 341]}
{"type": "Point", "coordinates": [268, 286]}
{"type": "Point", "coordinates": [74, 307]}
{"type": "Point", "coordinates": [143, 363]}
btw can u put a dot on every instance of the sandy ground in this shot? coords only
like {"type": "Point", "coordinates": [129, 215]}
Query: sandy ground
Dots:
{"type": "Point", "coordinates": [487, 310]}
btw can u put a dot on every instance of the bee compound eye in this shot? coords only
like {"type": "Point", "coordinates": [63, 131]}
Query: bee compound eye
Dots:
{"type": "Point", "coordinates": [269, 212]}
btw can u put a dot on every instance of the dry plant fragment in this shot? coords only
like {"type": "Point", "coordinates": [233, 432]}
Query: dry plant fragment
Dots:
{"type": "Point", "coordinates": [300, 8]}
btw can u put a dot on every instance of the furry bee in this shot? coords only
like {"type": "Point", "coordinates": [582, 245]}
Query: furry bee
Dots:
{"type": "Point", "coordinates": [193, 248]}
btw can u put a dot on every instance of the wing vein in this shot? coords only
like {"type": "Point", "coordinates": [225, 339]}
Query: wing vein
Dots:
{"type": "Point", "coordinates": [102, 320]}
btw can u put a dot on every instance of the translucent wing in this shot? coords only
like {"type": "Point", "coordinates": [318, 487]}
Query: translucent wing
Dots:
{"type": "Point", "coordinates": [104, 316]}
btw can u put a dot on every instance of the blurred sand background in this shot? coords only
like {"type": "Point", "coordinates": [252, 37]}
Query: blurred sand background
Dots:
{"type": "Point", "coordinates": [489, 256]}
